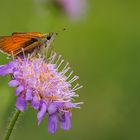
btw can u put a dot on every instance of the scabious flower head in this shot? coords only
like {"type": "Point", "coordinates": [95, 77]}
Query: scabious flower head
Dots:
{"type": "Point", "coordinates": [40, 83]}
{"type": "Point", "coordinates": [73, 9]}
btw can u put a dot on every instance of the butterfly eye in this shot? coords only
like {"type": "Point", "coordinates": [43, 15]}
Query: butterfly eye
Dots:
{"type": "Point", "coordinates": [48, 37]}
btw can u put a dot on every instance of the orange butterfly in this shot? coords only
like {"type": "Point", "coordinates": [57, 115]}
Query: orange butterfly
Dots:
{"type": "Point", "coordinates": [17, 42]}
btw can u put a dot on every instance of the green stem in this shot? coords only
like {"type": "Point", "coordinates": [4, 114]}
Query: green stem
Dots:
{"type": "Point", "coordinates": [12, 124]}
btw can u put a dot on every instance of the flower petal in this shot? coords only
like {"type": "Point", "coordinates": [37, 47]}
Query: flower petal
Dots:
{"type": "Point", "coordinates": [69, 105]}
{"type": "Point", "coordinates": [54, 107]}
{"type": "Point", "coordinates": [13, 83]}
{"type": "Point", "coordinates": [19, 90]}
{"type": "Point", "coordinates": [65, 121]}
{"type": "Point", "coordinates": [29, 95]}
{"type": "Point", "coordinates": [52, 123]}
{"type": "Point", "coordinates": [5, 69]}
{"type": "Point", "coordinates": [42, 112]}
{"type": "Point", "coordinates": [35, 102]}
{"type": "Point", "coordinates": [20, 104]}
{"type": "Point", "coordinates": [17, 74]}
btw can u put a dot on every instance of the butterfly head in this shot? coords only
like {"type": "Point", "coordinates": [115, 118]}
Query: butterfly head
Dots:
{"type": "Point", "coordinates": [50, 37]}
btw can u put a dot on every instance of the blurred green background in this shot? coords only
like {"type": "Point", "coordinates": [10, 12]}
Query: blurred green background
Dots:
{"type": "Point", "coordinates": [103, 49]}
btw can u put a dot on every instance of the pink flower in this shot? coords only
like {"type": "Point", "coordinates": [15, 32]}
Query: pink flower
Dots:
{"type": "Point", "coordinates": [74, 8]}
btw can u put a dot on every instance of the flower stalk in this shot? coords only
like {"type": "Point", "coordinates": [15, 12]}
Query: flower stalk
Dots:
{"type": "Point", "coordinates": [12, 124]}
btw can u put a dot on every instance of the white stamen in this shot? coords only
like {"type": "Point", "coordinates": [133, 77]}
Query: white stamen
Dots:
{"type": "Point", "coordinates": [76, 104]}
{"type": "Point", "coordinates": [72, 95]}
{"type": "Point", "coordinates": [53, 58]}
{"type": "Point", "coordinates": [65, 66]}
{"type": "Point", "coordinates": [73, 79]}
{"type": "Point", "coordinates": [62, 61]}
{"type": "Point", "coordinates": [76, 95]}
{"type": "Point", "coordinates": [77, 107]}
{"type": "Point", "coordinates": [51, 54]}
{"type": "Point", "coordinates": [69, 75]}
{"type": "Point", "coordinates": [65, 71]}
{"type": "Point", "coordinates": [32, 54]}
{"type": "Point", "coordinates": [77, 88]}
{"type": "Point", "coordinates": [29, 56]}
{"type": "Point", "coordinates": [79, 103]}
{"type": "Point", "coordinates": [58, 59]}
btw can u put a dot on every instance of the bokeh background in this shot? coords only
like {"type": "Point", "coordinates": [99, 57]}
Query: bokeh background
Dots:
{"type": "Point", "coordinates": [103, 48]}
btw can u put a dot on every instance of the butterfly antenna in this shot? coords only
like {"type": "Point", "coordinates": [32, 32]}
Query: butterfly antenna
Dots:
{"type": "Point", "coordinates": [60, 31]}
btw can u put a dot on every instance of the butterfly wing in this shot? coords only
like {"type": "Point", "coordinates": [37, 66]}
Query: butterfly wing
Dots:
{"type": "Point", "coordinates": [13, 45]}
{"type": "Point", "coordinates": [29, 34]}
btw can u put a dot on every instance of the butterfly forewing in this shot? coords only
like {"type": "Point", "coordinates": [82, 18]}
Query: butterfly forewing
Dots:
{"type": "Point", "coordinates": [12, 45]}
